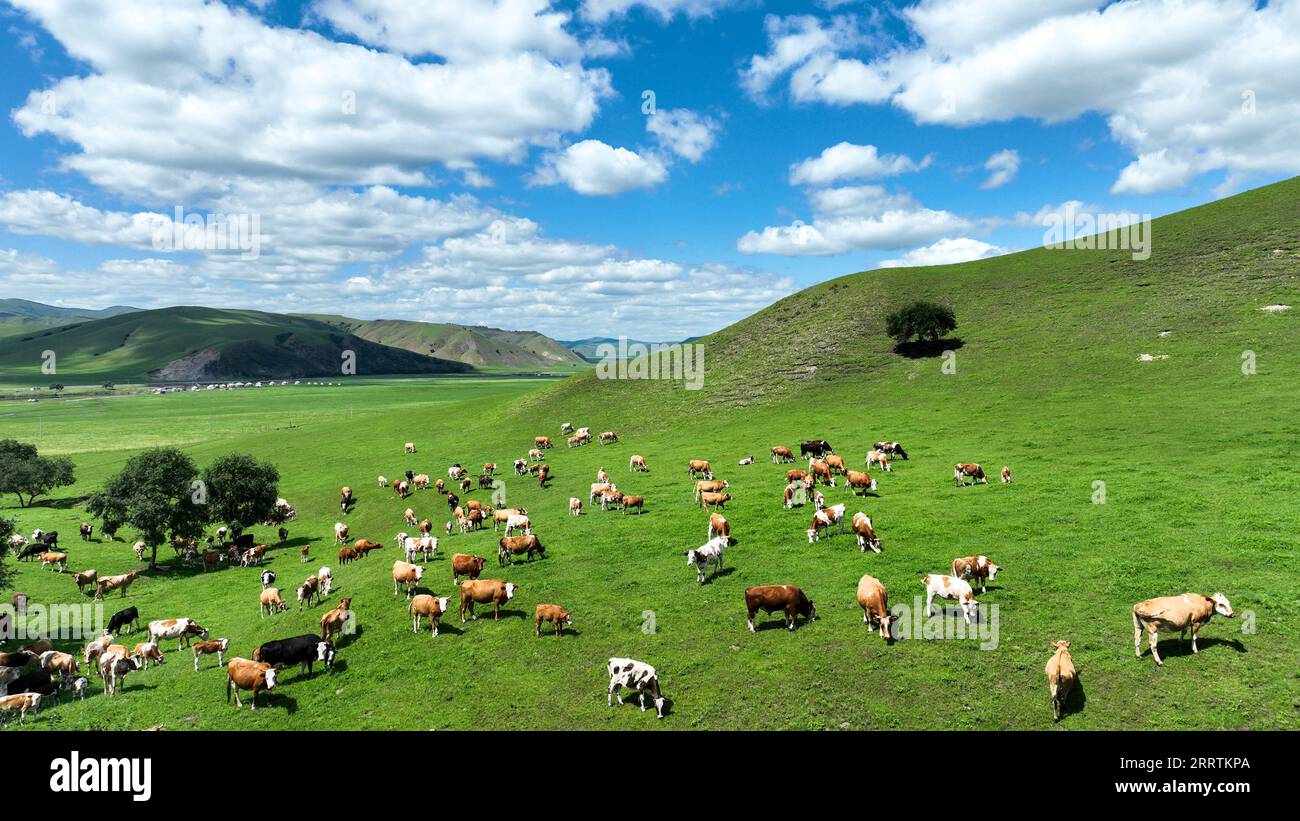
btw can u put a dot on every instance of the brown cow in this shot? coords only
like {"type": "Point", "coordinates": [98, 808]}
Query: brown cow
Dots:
{"type": "Point", "coordinates": [208, 648]}
{"type": "Point", "coordinates": [1006, 477]}
{"type": "Point", "coordinates": [270, 602]}
{"type": "Point", "coordinates": [511, 546]}
{"type": "Point", "coordinates": [781, 455]}
{"type": "Point", "coordinates": [347, 555]}
{"type": "Point", "coordinates": [333, 622]}
{"type": "Point", "coordinates": [710, 486]}
{"type": "Point", "coordinates": [84, 579]}
{"type": "Point", "coordinates": [406, 575]}
{"type": "Point", "coordinates": [772, 598]}
{"type": "Point", "coordinates": [542, 442]}
{"type": "Point", "coordinates": [795, 475]}
{"type": "Point", "coordinates": [714, 499]}
{"type": "Point", "coordinates": [146, 654]}
{"type": "Point", "coordinates": [875, 604]}
{"type": "Point", "coordinates": [482, 591]}
{"type": "Point", "coordinates": [1175, 614]}
{"type": "Point", "coordinates": [463, 564]}
{"type": "Point", "coordinates": [53, 560]}
{"type": "Point", "coordinates": [552, 613]}
{"type": "Point", "coordinates": [856, 480]}
{"type": "Point", "coordinates": [975, 568]}
{"type": "Point", "coordinates": [502, 516]}
{"type": "Point", "coordinates": [637, 463]}
{"type": "Point", "coordinates": [699, 467]}
{"type": "Point", "coordinates": [963, 470]}
{"type": "Point", "coordinates": [865, 532]}
{"type": "Point", "coordinates": [243, 674]}
{"type": "Point", "coordinates": [835, 462]}
{"type": "Point", "coordinates": [820, 470]}
{"type": "Point", "coordinates": [364, 546]}
{"type": "Point", "coordinates": [429, 607]}
{"type": "Point", "coordinates": [637, 502]}
{"type": "Point", "coordinates": [719, 527]}
{"type": "Point", "coordinates": [109, 583]}
{"type": "Point", "coordinates": [1060, 677]}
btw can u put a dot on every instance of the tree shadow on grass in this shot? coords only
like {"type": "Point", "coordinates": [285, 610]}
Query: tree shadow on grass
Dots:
{"type": "Point", "coordinates": [927, 348]}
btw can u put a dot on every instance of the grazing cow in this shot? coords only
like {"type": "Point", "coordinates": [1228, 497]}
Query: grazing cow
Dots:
{"type": "Point", "coordinates": [271, 602]}
{"type": "Point", "coordinates": [304, 650]}
{"type": "Point", "coordinates": [130, 617]}
{"type": "Point", "coordinates": [963, 470]}
{"type": "Point", "coordinates": [572, 442]}
{"type": "Point", "coordinates": [950, 587]}
{"type": "Point", "coordinates": [31, 551]}
{"type": "Point", "coordinates": [611, 498]}
{"type": "Point", "coordinates": [107, 584]}
{"type": "Point", "coordinates": [402, 489]}
{"type": "Point", "coordinates": [634, 675]}
{"type": "Point", "coordinates": [607, 437]}
{"type": "Point", "coordinates": [772, 598]}
{"type": "Point", "coordinates": [855, 481]}
{"type": "Point", "coordinates": [242, 674]}
{"type": "Point", "coordinates": [878, 457]}
{"type": "Point", "coordinates": [408, 575]}
{"type": "Point", "coordinates": [816, 448]}
{"type": "Point", "coordinates": [345, 499]}
{"type": "Point", "coordinates": [708, 500]}
{"type": "Point", "coordinates": [865, 532]}
{"type": "Point", "coordinates": [630, 502]}
{"type": "Point", "coordinates": [146, 654]}
{"type": "Point", "coordinates": [892, 448]}
{"type": "Point", "coordinates": [325, 577]}
{"type": "Point", "coordinates": [482, 591]}
{"type": "Point", "coordinates": [1060, 677]}
{"type": "Point", "coordinates": [637, 463]}
{"type": "Point", "coordinates": [710, 553]}
{"type": "Point", "coordinates": [20, 703]}
{"type": "Point", "coordinates": [409, 447]}
{"type": "Point", "coordinates": [383, 481]}
{"type": "Point", "coordinates": [796, 475]}
{"type": "Point", "coordinates": [180, 629]}
{"type": "Point", "coordinates": [818, 469]}
{"type": "Point", "coordinates": [347, 555]}
{"type": "Point", "coordinates": [518, 522]}
{"type": "Point", "coordinates": [552, 613]}
{"type": "Point", "coordinates": [64, 664]}
{"type": "Point", "coordinates": [719, 527]}
{"type": "Point", "coordinates": [466, 485]}
{"type": "Point", "coordinates": [874, 600]}
{"type": "Point", "coordinates": [566, 428]}
{"type": "Point", "coordinates": [542, 442]}
{"type": "Point", "coordinates": [364, 546]}
{"type": "Point", "coordinates": [781, 455]}
{"type": "Point", "coordinates": [340, 533]}
{"type": "Point", "coordinates": [1175, 614]}
{"type": "Point", "coordinates": [113, 667]}
{"type": "Point", "coordinates": [835, 463]}
{"type": "Point", "coordinates": [463, 564]}
{"type": "Point", "coordinates": [208, 648]}
{"type": "Point", "coordinates": [268, 578]}
{"type": "Point", "coordinates": [87, 530]}
{"type": "Point", "coordinates": [253, 555]}
{"type": "Point", "coordinates": [429, 607]}
{"type": "Point", "coordinates": [534, 454]}
{"type": "Point", "coordinates": [697, 468]}
{"type": "Point", "coordinates": [53, 560]}
{"type": "Point", "coordinates": [710, 486]}
{"type": "Point", "coordinates": [575, 506]}
{"type": "Point", "coordinates": [335, 621]}
{"type": "Point", "coordinates": [212, 558]}
{"type": "Point", "coordinates": [440, 485]}
{"type": "Point", "coordinates": [823, 519]}
{"type": "Point", "coordinates": [976, 568]}
{"type": "Point", "coordinates": [521, 466]}
{"type": "Point", "coordinates": [1006, 476]}
{"type": "Point", "coordinates": [420, 481]}
{"type": "Point", "coordinates": [95, 649]}
{"type": "Point", "coordinates": [84, 579]}
{"type": "Point", "coordinates": [511, 546]}
{"type": "Point", "coordinates": [424, 547]}
{"type": "Point", "coordinates": [410, 518]}
{"type": "Point", "coordinates": [600, 489]}
{"type": "Point", "coordinates": [308, 590]}
{"type": "Point", "coordinates": [543, 476]}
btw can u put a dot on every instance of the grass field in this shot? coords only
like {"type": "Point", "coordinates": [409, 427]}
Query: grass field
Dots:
{"type": "Point", "coordinates": [1197, 459]}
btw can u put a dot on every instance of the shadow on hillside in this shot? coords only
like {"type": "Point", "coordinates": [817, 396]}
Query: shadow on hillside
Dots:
{"type": "Point", "coordinates": [65, 503]}
{"type": "Point", "coordinates": [927, 348]}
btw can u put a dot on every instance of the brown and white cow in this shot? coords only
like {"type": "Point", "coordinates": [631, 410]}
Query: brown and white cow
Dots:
{"type": "Point", "coordinates": [1006, 475]}
{"type": "Point", "coordinates": [62, 664]}
{"type": "Point", "coordinates": [552, 613]}
{"type": "Point", "coordinates": [406, 575]}
{"type": "Point", "coordinates": [217, 647]}
{"type": "Point", "coordinates": [1060, 677]}
{"type": "Point", "coordinates": [55, 560]}
{"type": "Point", "coordinates": [878, 457]}
{"type": "Point", "coordinates": [977, 569]}
{"type": "Point", "coordinates": [823, 520]}
{"type": "Point", "coordinates": [575, 506]}
{"type": "Point", "coordinates": [637, 463]}
{"type": "Point", "coordinates": [795, 475]}
{"type": "Point", "coordinates": [21, 703]}
{"type": "Point", "coordinates": [429, 607]}
{"type": "Point", "coordinates": [270, 602]}
{"type": "Point", "coordinates": [409, 447]}
{"type": "Point", "coordinates": [892, 448]}
{"type": "Point", "coordinates": [781, 455]}
{"type": "Point", "coordinates": [719, 527]}
{"type": "Point", "coordinates": [501, 516]}
{"type": "Point", "coordinates": [1175, 614]}
{"type": "Point", "coordinates": [874, 600]}
{"type": "Point", "coordinates": [243, 674]}
{"type": "Point", "coordinates": [608, 437]}
{"type": "Point", "coordinates": [696, 468]}
{"type": "Point", "coordinates": [183, 630]}
{"type": "Point", "coordinates": [968, 470]}
{"type": "Point", "coordinates": [510, 546]}
{"type": "Point", "coordinates": [773, 598]}
{"type": "Point", "coordinates": [708, 500]}
{"type": "Point", "coordinates": [819, 470]}
{"type": "Point", "coordinates": [123, 582]}
{"type": "Point", "coordinates": [84, 579]}
{"type": "Point", "coordinates": [950, 587]}
{"type": "Point", "coordinates": [335, 621]}
{"type": "Point", "coordinates": [855, 481]}
{"type": "Point", "coordinates": [542, 442]}
{"type": "Point", "coordinates": [866, 532]}
{"type": "Point", "coordinates": [633, 502]}
{"type": "Point", "coordinates": [340, 533]}
{"type": "Point", "coordinates": [484, 591]}
{"type": "Point", "coordinates": [463, 564]}
{"type": "Point", "coordinates": [146, 654]}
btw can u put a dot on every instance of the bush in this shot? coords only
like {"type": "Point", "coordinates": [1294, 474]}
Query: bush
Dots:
{"type": "Point", "coordinates": [923, 321]}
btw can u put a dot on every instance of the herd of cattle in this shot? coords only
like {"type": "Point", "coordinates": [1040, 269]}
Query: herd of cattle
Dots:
{"type": "Point", "coordinates": [38, 671]}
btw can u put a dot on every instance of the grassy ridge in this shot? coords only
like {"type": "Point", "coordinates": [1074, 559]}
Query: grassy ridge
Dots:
{"type": "Point", "coordinates": [480, 347]}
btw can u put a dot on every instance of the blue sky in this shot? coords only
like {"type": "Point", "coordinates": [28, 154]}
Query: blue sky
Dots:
{"type": "Point", "coordinates": [492, 161]}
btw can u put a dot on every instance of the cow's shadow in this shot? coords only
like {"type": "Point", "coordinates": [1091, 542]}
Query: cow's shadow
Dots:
{"type": "Point", "coordinates": [719, 574]}
{"type": "Point", "coordinates": [1177, 648]}
{"type": "Point", "coordinates": [1075, 700]}
{"type": "Point", "coordinates": [278, 699]}
{"type": "Point", "coordinates": [775, 623]}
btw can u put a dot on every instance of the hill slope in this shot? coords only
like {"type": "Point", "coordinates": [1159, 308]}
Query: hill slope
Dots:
{"type": "Point", "coordinates": [20, 316]}
{"type": "Point", "coordinates": [191, 343]}
{"type": "Point", "coordinates": [473, 345]}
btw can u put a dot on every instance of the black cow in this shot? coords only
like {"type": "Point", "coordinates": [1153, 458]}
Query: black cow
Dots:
{"type": "Point", "coordinates": [484, 481]}
{"type": "Point", "coordinates": [816, 448]}
{"type": "Point", "coordinates": [37, 681]}
{"type": "Point", "coordinates": [284, 534]}
{"type": "Point", "coordinates": [452, 500]}
{"type": "Point", "coordinates": [243, 541]}
{"type": "Point", "coordinates": [51, 539]}
{"type": "Point", "coordinates": [304, 650]}
{"type": "Point", "coordinates": [32, 550]}
{"type": "Point", "coordinates": [410, 475]}
{"type": "Point", "coordinates": [130, 617]}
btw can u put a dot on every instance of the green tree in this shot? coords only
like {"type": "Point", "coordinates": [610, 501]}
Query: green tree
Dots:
{"type": "Point", "coordinates": [240, 490]}
{"type": "Point", "coordinates": [24, 472]}
{"type": "Point", "coordinates": [924, 321]}
{"type": "Point", "coordinates": [7, 528]}
{"type": "Point", "coordinates": [158, 494]}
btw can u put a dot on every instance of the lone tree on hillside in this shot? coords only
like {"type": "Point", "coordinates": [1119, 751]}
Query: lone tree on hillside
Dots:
{"type": "Point", "coordinates": [24, 472]}
{"type": "Point", "coordinates": [924, 321]}
{"type": "Point", "coordinates": [158, 494]}
{"type": "Point", "coordinates": [241, 490]}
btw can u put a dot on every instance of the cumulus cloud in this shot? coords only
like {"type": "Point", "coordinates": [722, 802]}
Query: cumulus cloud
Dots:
{"type": "Point", "coordinates": [1183, 84]}
{"type": "Point", "coordinates": [846, 161]}
{"type": "Point", "coordinates": [1002, 167]}
{"type": "Point", "coordinates": [945, 252]}
{"type": "Point", "coordinates": [685, 133]}
{"type": "Point", "coordinates": [601, 11]}
{"type": "Point", "coordinates": [594, 168]}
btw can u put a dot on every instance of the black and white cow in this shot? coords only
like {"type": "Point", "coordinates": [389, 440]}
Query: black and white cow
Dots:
{"type": "Point", "coordinates": [634, 675]}
{"type": "Point", "coordinates": [304, 650]}
{"type": "Point", "coordinates": [702, 557]}
{"type": "Point", "coordinates": [268, 578]}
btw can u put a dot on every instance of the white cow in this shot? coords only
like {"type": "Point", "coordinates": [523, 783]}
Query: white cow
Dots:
{"type": "Point", "coordinates": [326, 579]}
{"type": "Point", "coordinates": [516, 522]}
{"type": "Point", "coordinates": [634, 675]}
{"type": "Point", "coordinates": [950, 587]}
{"type": "Point", "coordinates": [708, 554]}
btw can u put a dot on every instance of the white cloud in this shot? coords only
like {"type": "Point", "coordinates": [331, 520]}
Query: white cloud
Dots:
{"type": "Point", "coordinates": [1189, 86]}
{"type": "Point", "coordinates": [1002, 167]}
{"type": "Point", "coordinates": [945, 252]}
{"type": "Point", "coordinates": [683, 132]}
{"type": "Point", "coordinates": [845, 161]}
{"type": "Point", "coordinates": [600, 11]}
{"type": "Point", "coordinates": [594, 168]}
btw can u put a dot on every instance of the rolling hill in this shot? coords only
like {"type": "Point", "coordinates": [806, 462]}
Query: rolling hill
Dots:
{"type": "Point", "coordinates": [586, 348]}
{"type": "Point", "coordinates": [20, 316]}
{"type": "Point", "coordinates": [192, 343]}
{"type": "Point", "coordinates": [478, 346]}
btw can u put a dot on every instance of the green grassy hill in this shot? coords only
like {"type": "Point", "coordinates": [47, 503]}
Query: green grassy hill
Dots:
{"type": "Point", "coordinates": [477, 346]}
{"type": "Point", "coordinates": [191, 343]}
{"type": "Point", "coordinates": [22, 316]}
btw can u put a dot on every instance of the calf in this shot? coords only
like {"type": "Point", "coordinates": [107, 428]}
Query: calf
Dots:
{"type": "Point", "coordinates": [406, 575]}
{"type": "Point", "coordinates": [308, 590]}
{"type": "Point", "coordinates": [242, 674]}
{"type": "Point", "coordinates": [878, 457]}
{"type": "Point", "coordinates": [575, 506]}
{"type": "Point", "coordinates": [634, 675]}
{"type": "Point", "coordinates": [463, 564]}
{"type": "Point", "coordinates": [409, 447]}
{"type": "Point", "coordinates": [304, 650]}
{"type": "Point", "coordinates": [1060, 677]}
{"type": "Point", "coordinates": [429, 607]}
{"type": "Point", "coordinates": [207, 648]}
{"type": "Point", "coordinates": [55, 560]}
{"type": "Point", "coordinates": [325, 578]}
{"type": "Point", "coordinates": [347, 555]}
{"type": "Point", "coordinates": [977, 568]}
{"type": "Point", "coordinates": [552, 613]}
{"type": "Point", "coordinates": [875, 604]}
{"type": "Point", "coordinates": [147, 654]}
{"type": "Point", "coordinates": [1175, 614]}
{"type": "Point", "coordinates": [771, 598]}
{"type": "Point", "coordinates": [270, 602]}
{"type": "Point", "coordinates": [865, 532]}
{"type": "Point", "coordinates": [950, 587]}
{"type": "Point", "coordinates": [483, 591]}
{"type": "Point", "coordinates": [180, 629]}
{"type": "Point", "coordinates": [710, 553]}
{"type": "Point", "coordinates": [964, 470]}
{"type": "Point", "coordinates": [511, 546]}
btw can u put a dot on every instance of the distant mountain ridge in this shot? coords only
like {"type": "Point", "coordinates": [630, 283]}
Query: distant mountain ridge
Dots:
{"type": "Point", "coordinates": [472, 344]}
{"type": "Point", "coordinates": [22, 315]}
{"type": "Point", "coordinates": [586, 348]}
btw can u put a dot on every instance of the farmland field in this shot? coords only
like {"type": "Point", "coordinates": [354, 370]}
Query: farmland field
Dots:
{"type": "Point", "coordinates": [1196, 460]}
